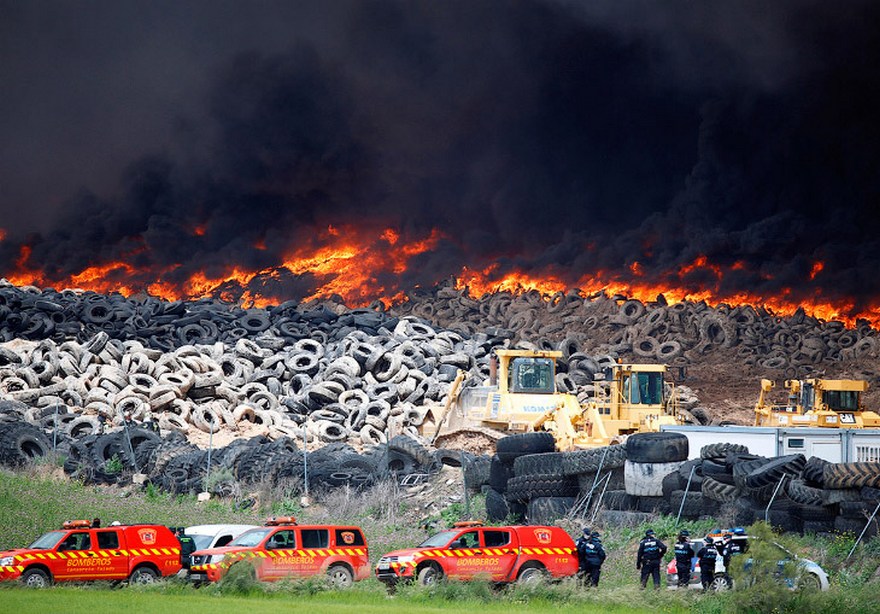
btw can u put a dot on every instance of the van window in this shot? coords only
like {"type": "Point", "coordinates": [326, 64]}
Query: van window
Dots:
{"type": "Point", "coordinates": [349, 537]}
{"type": "Point", "coordinates": [315, 538]}
{"type": "Point", "coordinates": [495, 539]}
{"type": "Point", "coordinates": [108, 540]}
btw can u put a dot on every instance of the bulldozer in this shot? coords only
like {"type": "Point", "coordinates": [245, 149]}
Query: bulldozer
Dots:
{"type": "Point", "coordinates": [521, 396]}
{"type": "Point", "coordinates": [826, 403]}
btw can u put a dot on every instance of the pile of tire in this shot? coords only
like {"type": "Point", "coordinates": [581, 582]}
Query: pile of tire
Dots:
{"type": "Point", "coordinates": [530, 482]}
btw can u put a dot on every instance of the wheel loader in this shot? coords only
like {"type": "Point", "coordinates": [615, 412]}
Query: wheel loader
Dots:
{"type": "Point", "coordinates": [521, 396]}
{"type": "Point", "coordinates": [827, 403]}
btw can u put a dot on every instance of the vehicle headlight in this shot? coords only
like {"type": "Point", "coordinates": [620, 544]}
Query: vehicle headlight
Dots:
{"type": "Point", "coordinates": [6, 561]}
{"type": "Point", "coordinates": [216, 558]}
{"type": "Point", "coordinates": [409, 558]}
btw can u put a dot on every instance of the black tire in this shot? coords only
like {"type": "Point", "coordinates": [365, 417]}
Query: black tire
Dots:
{"type": "Point", "coordinates": [143, 575]}
{"type": "Point", "coordinates": [744, 511]}
{"type": "Point", "coordinates": [548, 463]}
{"type": "Point", "coordinates": [852, 475]}
{"type": "Point", "coordinates": [619, 500]}
{"type": "Point", "coordinates": [340, 576]}
{"type": "Point", "coordinates": [742, 469]}
{"type": "Point", "coordinates": [719, 491]}
{"type": "Point", "coordinates": [497, 509]}
{"type": "Point", "coordinates": [476, 473]}
{"type": "Point", "coordinates": [719, 471]}
{"type": "Point", "coordinates": [451, 458]}
{"type": "Point", "coordinates": [721, 450]}
{"type": "Point", "coordinates": [429, 575]}
{"type": "Point", "coordinates": [21, 443]}
{"type": "Point", "coordinates": [854, 526]}
{"type": "Point", "coordinates": [508, 448]}
{"type": "Point", "coordinates": [408, 445]}
{"type": "Point", "coordinates": [693, 504]}
{"type": "Point", "coordinates": [785, 521]}
{"type": "Point", "coordinates": [589, 461]}
{"type": "Point", "coordinates": [816, 513]}
{"type": "Point", "coordinates": [814, 471]}
{"type": "Point", "coordinates": [811, 527]}
{"type": "Point", "coordinates": [652, 505]}
{"type": "Point", "coordinates": [856, 509]}
{"type": "Point", "coordinates": [671, 483]}
{"type": "Point", "coordinates": [801, 493]}
{"type": "Point", "coordinates": [696, 479]}
{"type": "Point", "coordinates": [530, 487]}
{"type": "Point", "coordinates": [499, 474]}
{"type": "Point", "coordinates": [771, 473]}
{"type": "Point", "coordinates": [547, 510]}
{"type": "Point", "coordinates": [656, 447]}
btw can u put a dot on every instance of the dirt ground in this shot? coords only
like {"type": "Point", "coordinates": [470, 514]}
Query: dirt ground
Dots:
{"type": "Point", "coordinates": [728, 388]}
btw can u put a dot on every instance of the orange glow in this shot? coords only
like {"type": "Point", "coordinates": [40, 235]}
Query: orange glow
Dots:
{"type": "Point", "coordinates": [361, 266]}
{"type": "Point", "coordinates": [199, 230]}
{"type": "Point", "coordinates": [2, 234]}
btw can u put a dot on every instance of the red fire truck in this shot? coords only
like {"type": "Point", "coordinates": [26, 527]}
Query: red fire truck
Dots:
{"type": "Point", "coordinates": [81, 552]}
{"type": "Point", "coordinates": [283, 549]}
{"type": "Point", "coordinates": [471, 551]}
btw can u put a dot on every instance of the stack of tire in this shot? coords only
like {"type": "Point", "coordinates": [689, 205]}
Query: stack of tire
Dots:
{"type": "Point", "coordinates": [650, 458]}
{"type": "Point", "coordinates": [21, 443]}
{"type": "Point", "coordinates": [855, 488]}
{"type": "Point", "coordinates": [531, 482]}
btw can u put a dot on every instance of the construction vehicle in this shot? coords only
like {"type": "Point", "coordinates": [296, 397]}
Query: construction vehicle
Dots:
{"type": "Point", "coordinates": [521, 396]}
{"type": "Point", "coordinates": [828, 403]}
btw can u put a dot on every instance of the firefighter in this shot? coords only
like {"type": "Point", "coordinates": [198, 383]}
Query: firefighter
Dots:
{"type": "Point", "coordinates": [684, 552]}
{"type": "Point", "coordinates": [595, 556]}
{"type": "Point", "coordinates": [581, 548]}
{"type": "Point", "coordinates": [187, 547]}
{"type": "Point", "coordinates": [651, 551]}
{"type": "Point", "coordinates": [707, 556]}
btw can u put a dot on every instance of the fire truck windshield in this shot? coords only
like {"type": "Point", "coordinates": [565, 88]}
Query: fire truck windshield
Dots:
{"type": "Point", "coordinates": [436, 541]}
{"type": "Point", "coordinates": [48, 540]}
{"type": "Point", "coordinates": [251, 538]}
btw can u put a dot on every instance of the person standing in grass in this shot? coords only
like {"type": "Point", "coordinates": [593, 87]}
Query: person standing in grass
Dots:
{"type": "Point", "coordinates": [651, 551]}
{"type": "Point", "coordinates": [594, 557]}
{"type": "Point", "coordinates": [707, 555]}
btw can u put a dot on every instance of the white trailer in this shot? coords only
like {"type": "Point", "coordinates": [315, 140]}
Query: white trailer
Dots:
{"type": "Point", "coordinates": [834, 445]}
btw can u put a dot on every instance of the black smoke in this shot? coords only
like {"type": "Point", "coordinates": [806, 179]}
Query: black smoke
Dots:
{"type": "Point", "coordinates": [541, 136]}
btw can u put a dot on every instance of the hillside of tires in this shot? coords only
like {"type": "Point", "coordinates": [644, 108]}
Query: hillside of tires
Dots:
{"type": "Point", "coordinates": [203, 395]}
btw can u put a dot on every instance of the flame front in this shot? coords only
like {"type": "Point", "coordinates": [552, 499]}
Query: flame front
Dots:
{"type": "Point", "coordinates": [361, 267]}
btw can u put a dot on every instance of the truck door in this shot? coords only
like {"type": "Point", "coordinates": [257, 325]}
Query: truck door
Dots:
{"type": "Point", "coordinates": [110, 544]}
{"type": "Point", "coordinates": [282, 558]}
{"type": "Point", "coordinates": [499, 552]}
{"type": "Point", "coordinates": [315, 542]}
{"type": "Point", "coordinates": [465, 552]}
{"type": "Point", "coordinates": [76, 556]}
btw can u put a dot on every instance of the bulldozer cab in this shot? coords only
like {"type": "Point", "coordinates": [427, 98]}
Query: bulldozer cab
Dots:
{"type": "Point", "coordinates": [642, 388]}
{"type": "Point", "coordinates": [532, 375]}
{"type": "Point", "coordinates": [817, 402]}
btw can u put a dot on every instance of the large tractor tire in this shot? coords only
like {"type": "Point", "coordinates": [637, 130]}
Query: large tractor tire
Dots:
{"type": "Point", "coordinates": [508, 448]}
{"type": "Point", "coordinates": [656, 447]}
{"type": "Point", "coordinates": [646, 479]}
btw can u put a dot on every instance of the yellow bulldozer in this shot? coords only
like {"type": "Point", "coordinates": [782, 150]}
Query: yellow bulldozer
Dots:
{"type": "Point", "coordinates": [826, 403]}
{"type": "Point", "coordinates": [521, 396]}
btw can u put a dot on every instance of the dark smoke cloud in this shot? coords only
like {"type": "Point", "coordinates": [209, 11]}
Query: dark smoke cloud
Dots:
{"type": "Point", "coordinates": [548, 136]}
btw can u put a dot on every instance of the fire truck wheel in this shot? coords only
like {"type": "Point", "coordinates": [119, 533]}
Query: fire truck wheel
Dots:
{"type": "Point", "coordinates": [429, 575]}
{"type": "Point", "coordinates": [143, 575]}
{"type": "Point", "coordinates": [340, 576]}
{"type": "Point", "coordinates": [531, 574]}
{"type": "Point", "coordinates": [36, 578]}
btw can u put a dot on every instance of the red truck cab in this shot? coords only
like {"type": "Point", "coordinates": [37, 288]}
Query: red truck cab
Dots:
{"type": "Point", "coordinates": [283, 549]}
{"type": "Point", "coordinates": [471, 551]}
{"type": "Point", "coordinates": [80, 552]}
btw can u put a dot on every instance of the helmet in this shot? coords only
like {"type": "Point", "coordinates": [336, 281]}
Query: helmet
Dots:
{"type": "Point", "coordinates": [685, 533]}
{"type": "Point", "coordinates": [587, 531]}
{"type": "Point", "coordinates": [649, 533]}
{"type": "Point", "coordinates": [709, 540]}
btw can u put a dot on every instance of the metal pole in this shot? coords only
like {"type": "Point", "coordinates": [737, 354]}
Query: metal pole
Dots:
{"type": "Point", "coordinates": [862, 534]}
{"type": "Point", "coordinates": [684, 498]}
{"type": "Point", "coordinates": [596, 479]}
{"type": "Point", "coordinates": [773, 498]}
{"type": "Point", "coordinates": [55, 431]}
{"type": "Point", "coordinates": [210, 447]}
{"type": "Point", "coordinates": [467, 499]}
{"type": "Point", "coordinates": [607, 480]}
{"type": "Point", "coordinates": [306, 462]}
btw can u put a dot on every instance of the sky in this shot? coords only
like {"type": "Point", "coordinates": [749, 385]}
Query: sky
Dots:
{"type": "Point", "coordinates": [550, 137]}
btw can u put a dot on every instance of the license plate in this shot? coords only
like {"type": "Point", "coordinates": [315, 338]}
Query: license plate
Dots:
{"type": "Point", "coordinates": [384, 566]}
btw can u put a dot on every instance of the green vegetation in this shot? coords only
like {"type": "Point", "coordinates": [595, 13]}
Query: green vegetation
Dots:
{"type": "Point", "coordinates": [40, 499]}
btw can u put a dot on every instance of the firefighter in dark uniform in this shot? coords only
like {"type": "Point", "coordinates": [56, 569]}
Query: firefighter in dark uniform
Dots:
{"type": "Point", "coordinates": [187, 547]}
{"type": "Point", "coordinates": [684, 552]}
{"type": "Point", "coordinates": [595, 556]}
{"type": "Point", "coordinates": [651, 551]}
{"type": "Point", "coordinates": [707, 556]}
{"type": "Point", "coordinates": [581, 547]}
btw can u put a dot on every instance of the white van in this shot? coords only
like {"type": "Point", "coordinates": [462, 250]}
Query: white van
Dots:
{"type": "Point", "coordinates": [214, 536]}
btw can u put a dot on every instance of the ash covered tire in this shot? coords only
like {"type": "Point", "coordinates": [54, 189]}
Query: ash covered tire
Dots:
{"type": "Point", "coordinates": [508, 448]}
{"type": "Point", "coordinates": [656, 447]}
{"type": "Point", "coordinates": [852, 475]}
{"type": "Point", "coordinates": [547, 510]}
{"type": "Point", "coordinates": [646, 479]}
{"type": "Point", "coordinates": [547, 463]}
